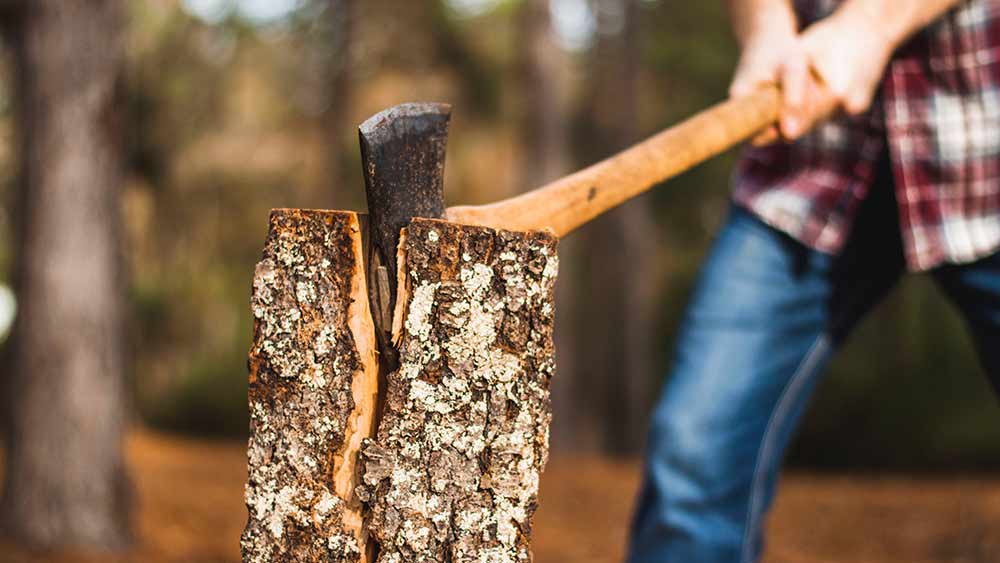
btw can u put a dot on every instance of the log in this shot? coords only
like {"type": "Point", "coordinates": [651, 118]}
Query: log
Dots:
{"type": "Point", "coordinates": [312, 391]}
{"type": "Point", "coordinates": [453, 474]}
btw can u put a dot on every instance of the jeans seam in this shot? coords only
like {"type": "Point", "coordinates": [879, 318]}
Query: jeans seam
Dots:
{"type": "Point", "coordinates": [806, 366]}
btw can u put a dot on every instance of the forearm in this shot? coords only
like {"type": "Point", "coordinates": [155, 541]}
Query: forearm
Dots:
{"type": "Point", "coordinates": [750, 18]}
{"type": "Point", "coordinates": [897, 20]}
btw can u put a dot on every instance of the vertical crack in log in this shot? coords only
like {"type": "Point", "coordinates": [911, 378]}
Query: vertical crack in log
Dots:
{"type": "Point", "coordinates": [453, 474]}
{"type": "Point", "coordinates": [313, 384]}
{"type": "Point", "coordinates": [364, 393]}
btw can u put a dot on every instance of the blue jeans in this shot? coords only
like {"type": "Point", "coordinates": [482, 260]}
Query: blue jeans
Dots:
{"type": "Point", "coordinates": [765, 316]}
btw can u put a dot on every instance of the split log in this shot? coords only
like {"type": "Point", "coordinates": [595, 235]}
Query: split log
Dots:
{"type": "Point", "coordinates": [453, 475]}
{"type": "Point", "coordinates": [313, 383]}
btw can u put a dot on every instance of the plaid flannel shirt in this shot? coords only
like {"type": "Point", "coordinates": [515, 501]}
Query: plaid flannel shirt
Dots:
{"type": "Point", "coordinates": [937, 117]}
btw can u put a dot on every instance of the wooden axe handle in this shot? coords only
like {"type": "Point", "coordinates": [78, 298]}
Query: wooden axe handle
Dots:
{"type": "Point", "coordinates": [569, 202]}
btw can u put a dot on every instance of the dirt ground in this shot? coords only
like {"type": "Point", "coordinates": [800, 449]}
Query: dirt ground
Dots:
{"type": "Point", "coordinates": [190, 509]}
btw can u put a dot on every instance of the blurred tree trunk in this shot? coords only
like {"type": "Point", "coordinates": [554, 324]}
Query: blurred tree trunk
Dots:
{"type": "Point", "coordinates": [617, 353]}
{"type": "Point", "coordinates": [543, 130]}
{"type": "Point", "coordinates": [341, 19]}
{"type": "Point", "coordinates": [65, 477]}
{"type": "Point", "coordinates": [544, 153]}
{"type": "Point", "coordinates": [479, 80]}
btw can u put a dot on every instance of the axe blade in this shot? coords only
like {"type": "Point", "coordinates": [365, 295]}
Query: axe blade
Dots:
{"type": "Point", "coordinates": [402, 154]}
{"type": "Point", "coordinates": [402, 151]}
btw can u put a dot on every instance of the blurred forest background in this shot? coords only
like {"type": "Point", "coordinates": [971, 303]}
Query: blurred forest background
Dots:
{"type": "Point", "coordinates": [227, 108]}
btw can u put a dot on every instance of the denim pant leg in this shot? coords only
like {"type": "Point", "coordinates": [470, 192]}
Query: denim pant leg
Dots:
{"type": "Point", "coordinates": [764, 318]}
{"type": "Point", "coordinates": [975, 289]}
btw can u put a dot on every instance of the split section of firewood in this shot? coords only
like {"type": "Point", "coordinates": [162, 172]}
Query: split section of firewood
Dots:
{"type": "Point", "coordinates": [313, 385]}
{"type": "Point", "coordinates": [453, 473]}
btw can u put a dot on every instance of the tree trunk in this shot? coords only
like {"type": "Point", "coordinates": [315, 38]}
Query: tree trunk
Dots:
{"type": "Point", "coordinates": [65, 480]}
{"type": "Point", "coordinates": [341, 16]}
{"type": "Point", "coordinates": [453, 475]}
{"type": "Point", "coordinates": [544, 151]}
{"type": "Point", "coordinates": [638, 231]}
{"type": "Point", "coordinates": [543, 124]}
{"type": "Point", "coordinates": [619, 361]}
{"type": "Point", "coordinates": [313, 385]}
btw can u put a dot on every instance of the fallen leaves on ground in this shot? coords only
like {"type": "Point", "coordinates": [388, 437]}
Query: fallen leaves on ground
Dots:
{"type": "Point", "coordinates": [190, 509]}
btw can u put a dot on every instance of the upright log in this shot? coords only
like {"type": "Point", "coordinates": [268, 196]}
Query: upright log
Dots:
{"type": "Point", "coordinates": [313, 385]}
{"type": "Point", "coordinates": [463, 320]}
{"type": "Point", "coordinates": [453, 475]}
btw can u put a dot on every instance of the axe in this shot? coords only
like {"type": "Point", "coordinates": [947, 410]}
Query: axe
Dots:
{"type": "Point", "coordinates": [399, 370]}
{"type": "Point", "coordinates": [403, 148]}
{"type": "Point", "coordinates": [411, 258]}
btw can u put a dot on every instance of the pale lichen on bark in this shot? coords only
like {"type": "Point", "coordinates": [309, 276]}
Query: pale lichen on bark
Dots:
{"type": "Point", "coordinates": [307, 358]}
{"type": "Point", "coordinates": [453, 475]}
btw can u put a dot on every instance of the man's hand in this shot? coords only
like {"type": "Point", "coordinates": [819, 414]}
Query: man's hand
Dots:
{"type": "Point", "coordinates": [845, 58]}
{"type": "Point", "coordinates": [834, 65]}
{"type": "Point", "coordinates": [768, 33]}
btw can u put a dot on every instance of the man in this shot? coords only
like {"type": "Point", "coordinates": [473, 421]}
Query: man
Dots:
{"type": "Point", "coordinates": [824, 222]}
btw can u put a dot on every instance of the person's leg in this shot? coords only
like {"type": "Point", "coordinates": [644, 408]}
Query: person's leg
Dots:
{"type": "Point", "coordinates": [975, 289]}
{"type": "Point", "coordinates": [762, 322]}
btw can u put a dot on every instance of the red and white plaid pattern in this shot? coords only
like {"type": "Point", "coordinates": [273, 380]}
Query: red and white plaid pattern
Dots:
{"type": "Point", "coordinates": [938, 113]}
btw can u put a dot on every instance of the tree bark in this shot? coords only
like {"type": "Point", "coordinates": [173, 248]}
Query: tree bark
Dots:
{"type": "Point", "coordinates": [65, 480]}
{"type": "Point", "coordinates": [313, 386]}
{"type": "Point", "coordinates": [638, 231]}
{"type": "Point", "coordinates": [453, 475]}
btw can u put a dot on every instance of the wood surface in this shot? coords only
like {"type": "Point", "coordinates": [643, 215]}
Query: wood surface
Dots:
{"type": "Point", "coordinates": [452, 473]}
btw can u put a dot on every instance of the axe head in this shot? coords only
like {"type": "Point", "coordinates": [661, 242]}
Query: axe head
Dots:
{"type": "Point", "coordinates": [402, 153]}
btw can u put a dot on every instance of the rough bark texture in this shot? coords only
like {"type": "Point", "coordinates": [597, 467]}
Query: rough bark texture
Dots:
{"type": "Point", "coordinates": [312, 391]}
{"type": "Point", "coordinates": [65, 474]}
{"type": "Point", "coordinates": [453, 474]}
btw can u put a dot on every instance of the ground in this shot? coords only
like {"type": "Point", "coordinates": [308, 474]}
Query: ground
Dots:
{"type": "Point", "coordinates": [190, 509]}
